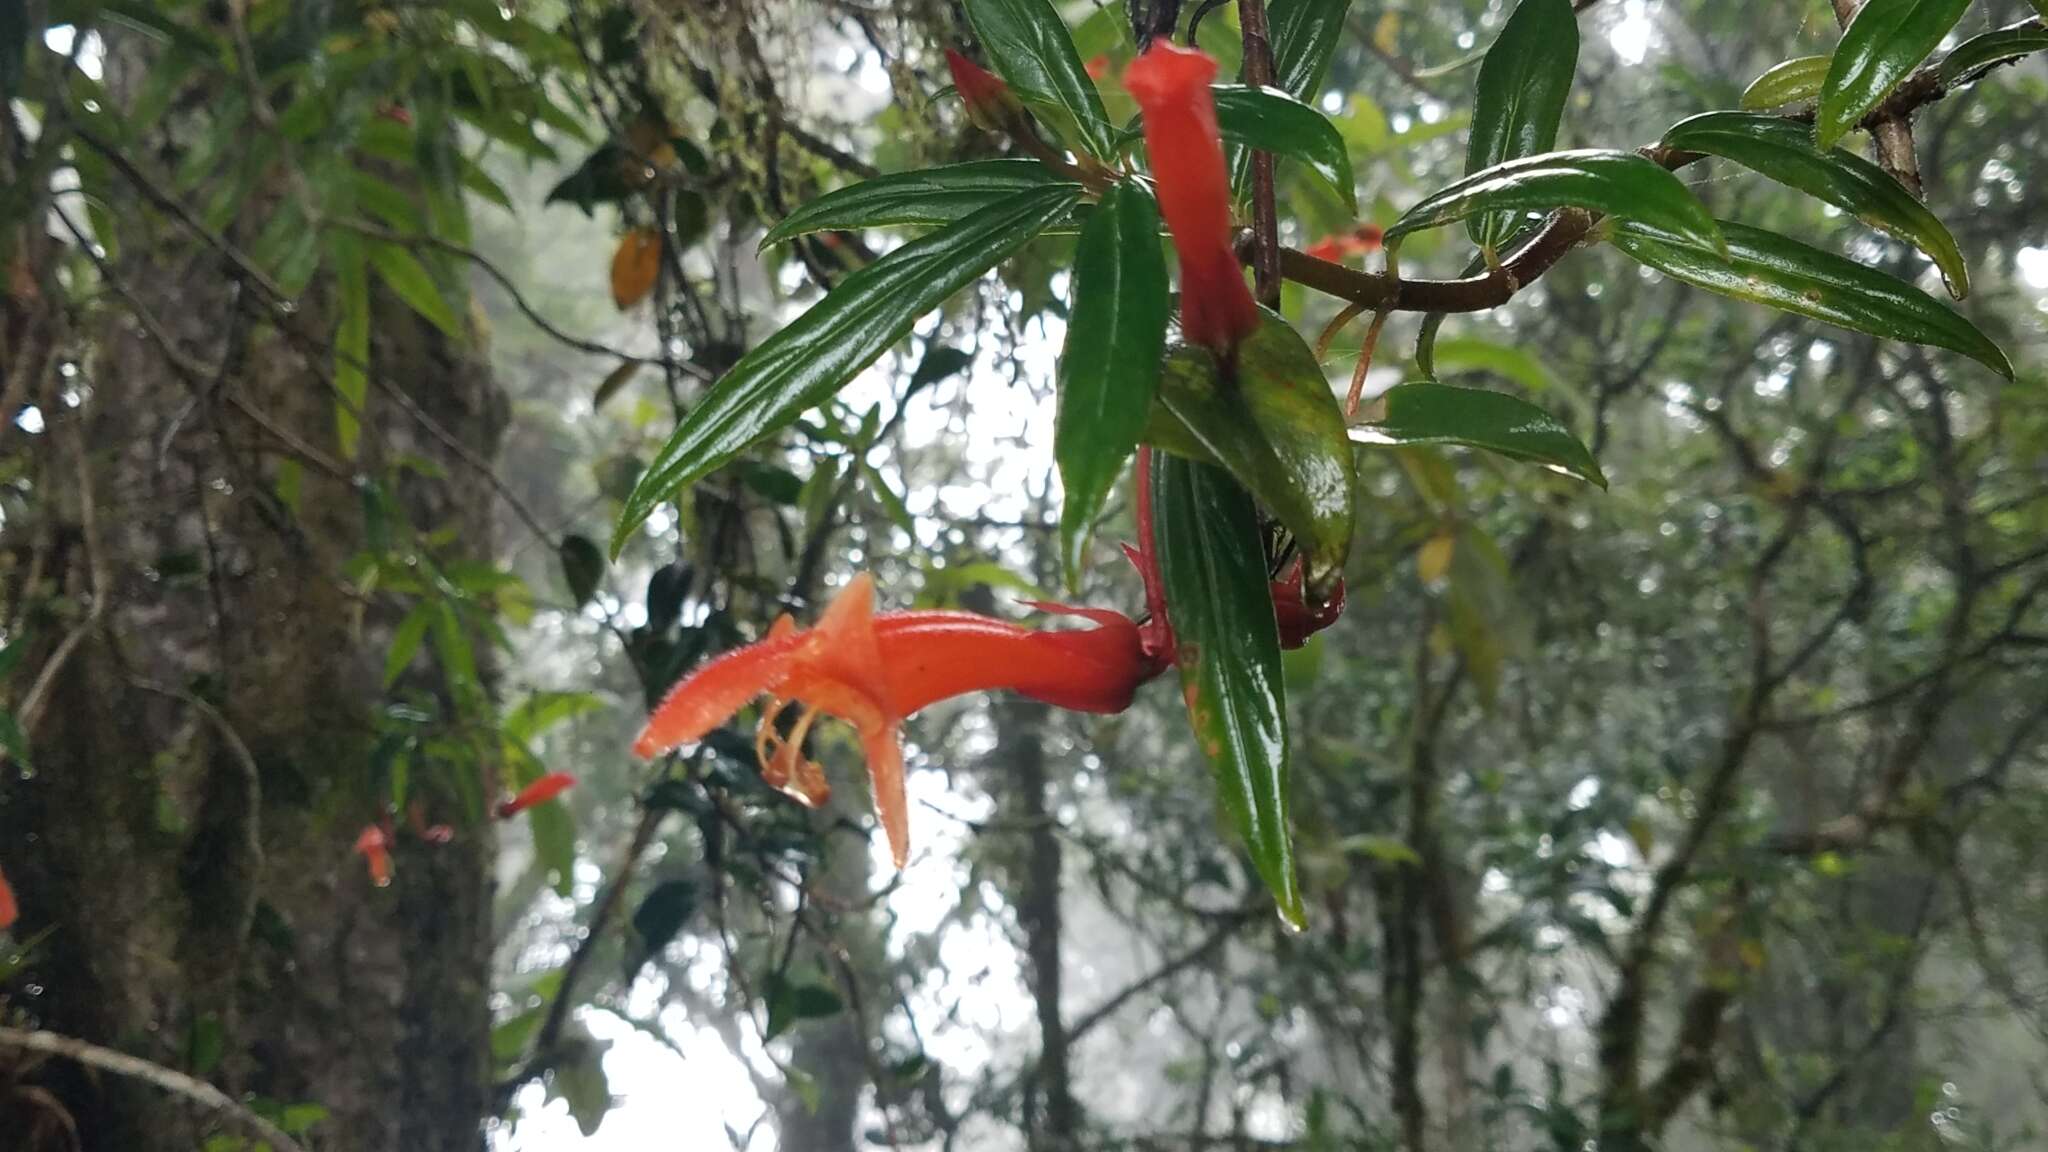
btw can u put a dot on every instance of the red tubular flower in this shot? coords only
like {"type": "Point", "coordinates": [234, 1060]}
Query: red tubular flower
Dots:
{"type": "Point", "coordinates": [9, 910]}
{"type": "Point", "coordinates": [1171, 86]}
{"type": "Point", "coordinates": [539, 792]}
{"type": "Point", "coordinates": [374, 845]}
{"type": "Point", "coordinates": [990, 103]}
{"type": "Point", "coordinates": [872, 671]}
{"type": "Point", "coordinates": [1098, 66]}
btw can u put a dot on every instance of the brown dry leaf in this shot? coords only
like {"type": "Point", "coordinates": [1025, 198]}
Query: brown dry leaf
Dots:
{"type": "Point", "coordinates": [635, 266]}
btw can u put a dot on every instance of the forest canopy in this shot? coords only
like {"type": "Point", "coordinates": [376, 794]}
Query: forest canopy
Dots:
{"type": "Point", "coordinates": [1049, 574]}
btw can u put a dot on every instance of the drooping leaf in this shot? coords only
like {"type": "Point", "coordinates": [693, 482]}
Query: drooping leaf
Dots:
{"type": "Point", "coordinates": [1785, 152]}
{"type": "Point", "coordinates": [405, 641]}
{"type": "Point", "coordinates": [613, 381]}
{"type": "Point", "coordinates": [821, 350]}
{"type": "Point", "coordinates": [1271, 120]}
{"type": "Point", "coordinates": [1220, 603]}
{"type": "Point", "coordinates": [1275, 427]}
{"type": "Point", "coordinates": [1793, 81]}
{"type": "Point", "coordinates": [661, 914]}
{"type": "Point", "coordinates": [1109, 368]}
{"type": "Point", "coordinates": [1429, 413]}
{"type": "Point", "coordinates": [1882, 45]}
{"type": "Point", "coordinates": [923, 198]}
{"type": "Point", "coordinates": [582, 567]}
{"type": "Point", "coordinates": [1305, 35]}
{"type": "Point", "coordinates": [1615, 183]}
{"type": "Point", "coordinates": [792, 1000]}
{"type": "Point", "coordinates": [579, 1079]}
{"type": "Point", "coordinates": [1980, 54]}
{"type": "Point", "coordinates": [1766, 268]}
{"type": "Point", "coordinates": [1033, 52]}
{"type": "Point", "coordinates": [636, 265]}
{"type": "Point", "coordinates": [1520, 95]}
{"type": "Point", "coordinates": [351, 342]}
{"type": "Point", "coordinates": [409, 280]}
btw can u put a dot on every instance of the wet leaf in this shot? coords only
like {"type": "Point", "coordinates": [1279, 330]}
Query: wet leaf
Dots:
{"type": "Point", "coordinates": [1980, 54]}
{"type": "Point", "coordinates": [810, 358]}
{"type": "Point", "coordinates": [1218, 598]}
{"type": "Point", "coordinates": [927, 197]}
{"type": "Point", "coordinates": [1519, 98]}
{"type": "Point", "coordinates": [1031, 49]}
{"type": "Point", "coordinates": [1794, 81]}
{"type": "Point", "coordinates": [1271, 120]}
{"type": "Point", "coordinates": [1766, 268]}
{"type": "Point", "coordinates": [1785, 152]}
{"type": "Point", "coordinates": [1621, 184]}
{"type": "Point", "coordinates": [1275, 426]}
{"type": "Point", "coordinates": [1882, 45]}
{"type": "Point", "coordinates": [1109, 368]}
{"type": "Point", "coordinates": [1428, 413]}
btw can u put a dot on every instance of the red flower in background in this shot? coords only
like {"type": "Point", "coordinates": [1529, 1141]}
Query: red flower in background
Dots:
{"type": "Point", "coordinates": [1171, 85]}
{"type": "Point", "coordinates": [872, 671]}
{"type": "Point", "coordinates": [539, 792]}
{"type": "Point", "coordinates": [1097, 66]}
{"type": "Point", "coordinates": [374, 845]}
{"type": "Point", "coordinates": [9, 910]}
{"type": "Point", "coordinates": [1338, 247]}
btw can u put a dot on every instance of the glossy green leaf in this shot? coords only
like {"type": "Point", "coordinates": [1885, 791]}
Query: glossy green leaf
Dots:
{"type": "Point", "coordinates": [1615, 183]}
{"type": "Point", "coordinates": [1031, 49]}
{"type": "Point", "coordinates": [409, 280]}
{"type": "Point", "coordinates": [1784, 151]}
{"type": "Point", "coordinates": [1520, 95]}
{"type": "Point", "coordinates": [1109, 369]}
{"type": "Point", "coordinates": [1429, 413]}
{"type": "Point", "coordinates": [1304, 35]}
{"type": "Point", "coordinates": [1766, 268]}
{"type": "Point", "coordinates": [929, 197]}
{"type": "Point", "coordinates": [1980, 54]}
{"type": "Point", "coordinates": [818, 352]}
{"type": "Point", "coordinates": [1271, 120]}
{"type": "Point", "coordinates": [1213, 562]}
{"type": "Point", "coordinates": [1882, 45]}
{"type": "Point", "coordinates": [1792, 81]}
{"type": "Point", "coordinates": [1275, 426]}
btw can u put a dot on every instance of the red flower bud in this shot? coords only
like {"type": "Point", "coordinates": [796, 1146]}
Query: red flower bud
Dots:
{"type": "Point", "coordinates": [374, 845]}
{"type": "Point", "coordinates": [1097, 66]}
{"type": "Point", "coordinates": [539, 792]}
{"type": "Point", "coordinates": [1171, 86]}
{"type": "Point", "coordinates": [9, 910]}
{"type": "Point", "coordinates": [989, 102]}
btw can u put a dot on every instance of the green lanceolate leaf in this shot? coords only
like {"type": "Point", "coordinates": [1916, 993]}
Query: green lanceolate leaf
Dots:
{"type": "Point", "coordinates": [1109, 369]}
{"type": "Point", "coordinates": [821, 350]}
{"type": "Point", "coordinates": [1305, 34]}
{"type": "Point", "coordinates": [1273, 425]}
{"type": "Point", "coordinates": [926, 198]}
{"type": "Point", "coordinates": [1882, 45]}
{"type": "Point", "coordinates": [1792, 81]}
{"type": "Point", "coordinates": [1615, 183]}
{"type": "Point", "coordinates": [1980, 54]}
{"type": "Point", "coordinates": [1429, 413]}
{"type": "Point", "coordinates": [1271, 120]}
{"type": "Point", "coordinates": [1785, 152]}
{"type": "Point", "coordinates": [1766, 268]}
{"type": "Point", "coordinates": [1213, 562]}
{"type": "Point", "coordinates": [1520, 96]}
{"type": "Point", "coordinates": [1031, 49]}
{"type": "Point", "coordinates": [409, 280]}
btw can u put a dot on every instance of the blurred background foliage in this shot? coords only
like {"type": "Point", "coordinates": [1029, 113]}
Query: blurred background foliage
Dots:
{"type": "Point", "coordinates": [1703, 812]}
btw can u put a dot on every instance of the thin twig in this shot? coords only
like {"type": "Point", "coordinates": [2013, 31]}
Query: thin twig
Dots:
{"type": "Point", "coordinates": [136, 1068]}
